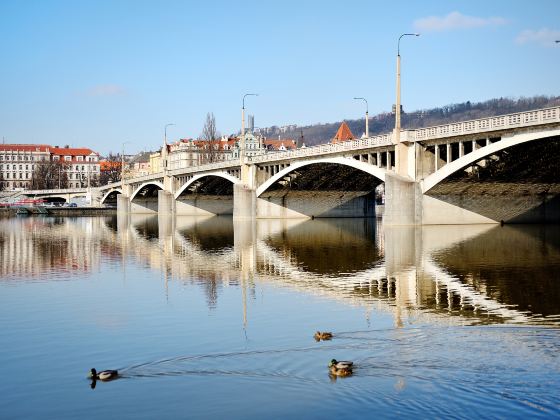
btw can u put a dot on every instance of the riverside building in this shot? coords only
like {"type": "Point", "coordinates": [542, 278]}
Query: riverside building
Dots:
{"type": "Point", "coordinates": [18, 162]}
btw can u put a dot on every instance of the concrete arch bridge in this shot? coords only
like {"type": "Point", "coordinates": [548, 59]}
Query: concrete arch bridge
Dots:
{"type": "Point", "coordinates": [479, 171]}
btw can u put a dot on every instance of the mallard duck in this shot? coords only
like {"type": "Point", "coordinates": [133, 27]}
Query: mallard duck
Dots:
{"type": "Point", "coordinates": [104, 375]}
{"type": "Point", "coordinates": [340, 368]}
{"type": "Point", "coordinates": [322, 335]}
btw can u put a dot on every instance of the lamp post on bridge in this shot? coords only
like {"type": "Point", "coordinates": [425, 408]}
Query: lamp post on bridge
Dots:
{"type": "Point", "coordinates": [164, 150]}
{"type": "Point", "coordinates": [122, 166]}
{"type": "Point", "coordinates": [367, 116]}
{"type": "Point", "coordinates": [398, 101]}
{"type": "Point", "coordinates": [242, 142]}
{"type": "Point", "coordinates": [401, 150]}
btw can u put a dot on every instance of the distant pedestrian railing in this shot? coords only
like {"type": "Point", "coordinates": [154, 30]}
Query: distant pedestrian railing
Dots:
{"type": "Point", "coordinates": [325, 149]}
{"type": "Point", "coordinates": [500, 122]}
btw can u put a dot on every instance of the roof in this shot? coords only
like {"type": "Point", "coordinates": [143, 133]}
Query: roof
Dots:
{"type": "Point", "coordinates": [343, 134]}
{"type": "Point", "coordinates": [25, 147]}
{"type": "Point", "coordinates": [70, 151]}
{"type": "Point", "coordinates": [275, 144]}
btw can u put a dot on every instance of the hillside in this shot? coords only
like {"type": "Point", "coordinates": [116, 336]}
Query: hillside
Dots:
{"type": "Point", "coordinates": [384, 123]}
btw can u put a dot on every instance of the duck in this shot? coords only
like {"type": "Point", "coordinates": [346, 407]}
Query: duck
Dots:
{"type": "Point", "coordinates": [104, 375]}
{"type": "Point", "coordinates": [341, 368]}
{"type": "Point", "coordinates": [322, 335]}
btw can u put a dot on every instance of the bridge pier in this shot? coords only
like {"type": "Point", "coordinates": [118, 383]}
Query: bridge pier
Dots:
{"type": "Point", "coordinates": [123, 203]}
{"type": "Point", "coordinates": [402, 201]}
{"type": "Point", "coordinates": [244, 202]}
{"type": "Point", "coordinates": [166, 203]}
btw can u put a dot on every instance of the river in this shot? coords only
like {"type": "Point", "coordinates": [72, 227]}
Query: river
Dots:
{"type": "Point", "coordinates": [206, 318]}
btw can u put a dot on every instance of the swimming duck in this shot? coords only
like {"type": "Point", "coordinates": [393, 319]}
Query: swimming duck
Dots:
{"type": "Point", "coordinates": [104, 375]}
{"type": "Point", "coordinates": [322, 335]}
{"type": "Point", "coordinates": [340, 368]}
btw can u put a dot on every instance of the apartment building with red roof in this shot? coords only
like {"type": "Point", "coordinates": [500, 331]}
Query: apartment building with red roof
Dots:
{"type": "Point", "coordinates": [18, 162]}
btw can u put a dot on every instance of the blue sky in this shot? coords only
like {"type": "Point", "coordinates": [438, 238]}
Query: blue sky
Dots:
{"type": "Point", "coordinates": [98, 73]}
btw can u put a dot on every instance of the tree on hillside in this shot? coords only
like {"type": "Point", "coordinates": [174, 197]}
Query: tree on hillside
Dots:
{"type": "Point", "coordinates": [210, 135]}
{"type": "Point", "coordinates": [49, 175]}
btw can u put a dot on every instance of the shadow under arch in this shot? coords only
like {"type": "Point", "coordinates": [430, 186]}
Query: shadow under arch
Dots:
{"type": "Point", "coordinates": [206, 194]}
{"type": "Point", "coordinates": [145, 198]}
{"type": "Point", "coordinates": [332, 187]}
{"type": "Point", "coordinates": [515, 180]}
{"type": "Point", "coordinates": [111, 196]}
{"type": "Point", "coordinates": [506, 143]}
{"type": "Point", "coordinates": [375, 171]}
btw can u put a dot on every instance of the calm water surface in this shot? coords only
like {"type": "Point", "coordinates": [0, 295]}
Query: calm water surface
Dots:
{"type": "Point", "coordinates": [207, 318]}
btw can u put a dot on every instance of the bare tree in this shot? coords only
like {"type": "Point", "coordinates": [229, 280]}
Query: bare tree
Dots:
{"type": "Point", "coordinates": [211, 148]}
{"type": "Point", "coordinates": [49, 175]}
{"type": "Point", "coordinates": [110, 169]}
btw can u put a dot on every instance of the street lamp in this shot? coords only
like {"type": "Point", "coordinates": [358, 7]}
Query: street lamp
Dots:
{"type": "Point", "coordinates": [367, 117]}
{"type": "Point", "coordinates": [242, 143]}
{"type": "Point", "coordinates": [398, 104]}
{"type": "Point", "coordinates": [165, 133]}
{"type": "Point", "coordinates": [164, 151]}
{"type": "Point", "coordinates": [122, 166]}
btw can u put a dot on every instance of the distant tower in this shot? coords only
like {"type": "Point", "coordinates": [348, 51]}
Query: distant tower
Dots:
{"type": "Point", "coordinates": [250, 123]}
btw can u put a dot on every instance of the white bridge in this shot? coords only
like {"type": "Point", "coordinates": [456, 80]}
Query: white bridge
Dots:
{"type": "Point", "coordinates": [338, 180]}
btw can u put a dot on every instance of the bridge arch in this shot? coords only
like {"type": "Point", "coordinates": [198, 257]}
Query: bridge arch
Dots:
{"type": "Point", "coordinates": [108, 193]}
{"type": "Point", "coordinates": [375, 171]}
{"type": "Point", "coordinates": [195, 178]}
{"type": "Point", "coordinates": [153, 183]}
{"type": "Point", "coordinates": [506, 142]}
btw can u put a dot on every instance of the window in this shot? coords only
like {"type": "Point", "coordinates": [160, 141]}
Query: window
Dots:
{"type": "Point", "coordinates": [67, 158]}
{"type": "Point", "coordinates": [79, 158]}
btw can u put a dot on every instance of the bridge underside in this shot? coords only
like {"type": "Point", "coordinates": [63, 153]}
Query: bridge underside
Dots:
{"type": "Point", "coordinates": [111, 199]}
{"type": "Point", "coordinates": [210, 195]}
{"type": "Point", "coordinates": [146, 200]}
{"type": "Point", "coordinates": [320, 190]}
{"type": "Point", "coordinates": [518, 185]}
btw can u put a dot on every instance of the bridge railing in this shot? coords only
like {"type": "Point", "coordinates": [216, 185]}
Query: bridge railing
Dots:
{"type": "Point", "coordinates": [57, 191]}
{"type": "Point", "coordinates": [363, 143]}
{"type": "Point", "coordinates": [143, 178]}
{"type": "Point", "coordinates": [499, 122]}
{"type": "Point", "coordinates": [206, 167]}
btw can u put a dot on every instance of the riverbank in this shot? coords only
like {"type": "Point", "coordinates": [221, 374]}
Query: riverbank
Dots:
{"type": "Point", "coordinates": [61, 211]}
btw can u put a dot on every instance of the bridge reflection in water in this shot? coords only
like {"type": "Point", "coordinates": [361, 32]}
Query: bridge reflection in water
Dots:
{"type": "Point", "coordinates": [443, 274]}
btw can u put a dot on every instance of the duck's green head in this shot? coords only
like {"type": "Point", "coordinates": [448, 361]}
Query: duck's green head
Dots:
{"type": "Point", "coordinates": [333, 363]}
{"type": "Point", "coordinates": [92, 373]}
